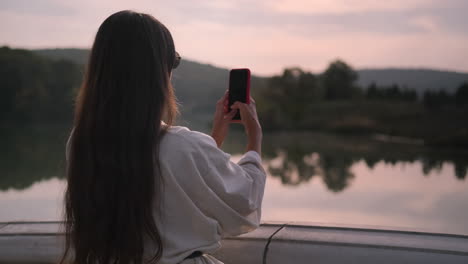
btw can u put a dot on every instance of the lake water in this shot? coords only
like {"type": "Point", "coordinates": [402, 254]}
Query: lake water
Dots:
{"type": "Point", "coordinates": [312, 177]}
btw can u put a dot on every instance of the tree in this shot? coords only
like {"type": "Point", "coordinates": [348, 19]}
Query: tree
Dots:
{"type": "Point", "coordinates": [409, 95]}
{"type": "Point", "coordinates": [461, 95]}
{"type": "Point", "coordinates": [372, 92]}
{"type": "Point", "coordinates": [9, 80]}
{"type": "Point", "coordinates": [338, 81]}
{"type": "Point", "coordinates": [437, 98]}
{"type": "Point", "coordinates": [285, 100]}
{"type": "Point", "coordinates": [391, 93]}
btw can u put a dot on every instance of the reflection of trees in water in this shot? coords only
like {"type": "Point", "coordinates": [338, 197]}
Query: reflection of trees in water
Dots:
{"type": "Point", "coordinates": [30, 154]}
{"type": "Point", "coordinates": [296, 161]}
{"type": "Point", "coordinates": [295, 166]}
{"type": "Point", "coordinates": [461, 169]}
{"type": "Point", "coordinates": [429, 165]}
{"type": "Point", "coordinates": [336, 172]}
{"type": "Point", "coordinates": [291, 168]}
{"type": "Point", "coordinates": [371, 161]}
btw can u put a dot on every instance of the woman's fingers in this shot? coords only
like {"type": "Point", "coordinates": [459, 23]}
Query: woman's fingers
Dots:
{"type": "Point", "coordinates": [223, 99]}
{"type": "Point", "coordinates": [243, 109]}
{"type": "Point", "coordinates": [229, 116]}
{"type": "Point", "coordinates": [241, 106]}
{"type": "Point", "coordinates": [246, 109]}
{"type": "Point", "coordinates": [237, 105]}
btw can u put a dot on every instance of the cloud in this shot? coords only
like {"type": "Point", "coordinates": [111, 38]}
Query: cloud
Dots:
{"type": "Point", "coordinates": [37, 7]}
{"type": "Point", "coordinates": [347, 6]}
{"type": "Point", "coordinates": [377, 17]}
{"type": "Point", "coordinates": [266, 35]}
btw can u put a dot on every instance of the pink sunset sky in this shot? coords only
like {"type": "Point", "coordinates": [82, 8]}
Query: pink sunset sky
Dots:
{"type": "Point", "coordinates": [265, 35]}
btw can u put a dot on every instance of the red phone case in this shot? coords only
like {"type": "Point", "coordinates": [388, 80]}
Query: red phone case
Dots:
{"type": "Point", "coordinates": [247, 100]}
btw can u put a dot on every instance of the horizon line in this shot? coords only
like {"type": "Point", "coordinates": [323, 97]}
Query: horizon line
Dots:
{"type": "Point", "coordinates": [363, 68]}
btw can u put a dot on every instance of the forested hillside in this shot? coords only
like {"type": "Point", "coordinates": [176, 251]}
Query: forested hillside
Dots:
{"type": "Point", "coordinates": [39, 87]}
{"type": "Point", "coordinates": [417, 79]}
{"type": "Point", "coordinates": [35, 88]}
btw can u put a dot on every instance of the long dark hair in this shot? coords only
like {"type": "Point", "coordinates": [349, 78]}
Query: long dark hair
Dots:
{"type": "Point", "coordinates": [113, 192]}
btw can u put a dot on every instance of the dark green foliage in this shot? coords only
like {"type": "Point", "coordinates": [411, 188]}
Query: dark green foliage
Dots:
{"type": "Point", "coordinates": [338, 81]}
{"type": "Point", "coordinates": [461, 95]}
{"type": "Point", "coordinates": [36, 89]}
{"type": "Point", "coordinates": [284, 99]}
{"type": "Point", "coordinates": [434, 99]}
{"type": "Point", "coordinates": [391, 93]}
{"type": "Point", "coordinates": [297, 100]}
{"type": "Point", "coordinates": [78, 56]}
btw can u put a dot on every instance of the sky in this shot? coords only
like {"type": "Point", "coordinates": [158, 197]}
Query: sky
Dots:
{"type": "Point", "coordinates": [265, 35]}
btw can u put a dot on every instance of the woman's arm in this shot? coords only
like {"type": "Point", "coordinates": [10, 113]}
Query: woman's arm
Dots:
{"type": "Point", "coordinates": [249, 119]}
{"type": "Point", "coordinates": [221, 120]}
{"type": "Point", "coordinates": [229, 192]}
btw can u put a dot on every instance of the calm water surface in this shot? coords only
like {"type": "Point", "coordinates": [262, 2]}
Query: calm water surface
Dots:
{"type": "Point", "coordinates": [312, 177]}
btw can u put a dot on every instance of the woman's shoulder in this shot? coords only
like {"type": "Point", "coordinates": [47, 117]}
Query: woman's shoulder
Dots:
{"type": "Point", "coordinates": [182, 144]}
{"type": "Point", "coordinates": [182, 138]}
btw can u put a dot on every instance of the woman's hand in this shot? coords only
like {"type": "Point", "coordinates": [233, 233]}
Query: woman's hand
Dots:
{"type": "Point", "coordinates": [249, 119]}
{"type": "Point", "coordinates": [221, 120]}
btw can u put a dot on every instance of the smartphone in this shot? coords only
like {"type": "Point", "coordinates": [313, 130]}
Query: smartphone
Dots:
{"type": "Point", "coordinates": [239, 88]}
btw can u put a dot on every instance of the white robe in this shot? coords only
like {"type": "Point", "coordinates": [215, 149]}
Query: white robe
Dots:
{"type": "Point", "coordinates": [206, 196]}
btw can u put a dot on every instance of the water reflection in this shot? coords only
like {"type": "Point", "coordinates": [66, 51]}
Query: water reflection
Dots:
{"type": "Point", "coordinates": [295, 168]}
{"type": "Point", "coordinates": [31, 154]}
{"type": "Point", "coordinates": [296, 158]}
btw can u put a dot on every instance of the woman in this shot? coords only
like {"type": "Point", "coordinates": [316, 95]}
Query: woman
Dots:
{"type": "Point", "coordinates": [141, 190]}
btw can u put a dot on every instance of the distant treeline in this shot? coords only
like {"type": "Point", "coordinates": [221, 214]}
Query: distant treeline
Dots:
{"type": "Point", "coordinates": [338, 82]}
{"type": "Point", "coordinates": [430, 98]}
{"type": "Point", "coordinates": [332, 101]}
{"type": "Point", "coordinates": [39, 87]}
